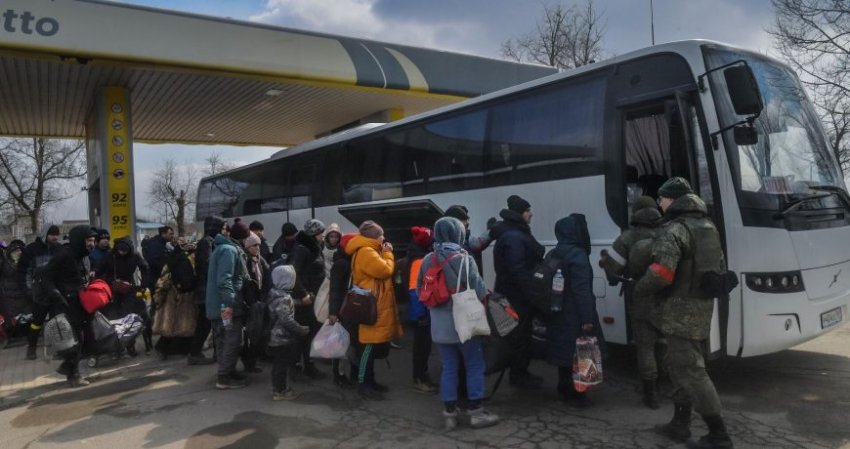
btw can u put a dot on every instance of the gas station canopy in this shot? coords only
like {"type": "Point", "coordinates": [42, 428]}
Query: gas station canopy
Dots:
{"type": "Point", "coordinates": [198, 79]}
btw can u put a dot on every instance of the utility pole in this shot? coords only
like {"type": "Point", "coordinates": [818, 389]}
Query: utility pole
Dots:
{"type": "Point", "coordinates": [652, 21]}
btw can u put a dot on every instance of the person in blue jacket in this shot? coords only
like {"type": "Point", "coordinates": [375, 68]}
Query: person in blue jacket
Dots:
{"type": "Point", "coordinates": [228, 270]}
{"type": "Point", "coordinates": [578, 312]}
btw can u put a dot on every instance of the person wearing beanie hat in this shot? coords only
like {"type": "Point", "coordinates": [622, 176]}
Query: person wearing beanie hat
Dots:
{"type": "Point", "coordinates": [100, 249]}
{"type": "Point", "coordinates": [284, 247]}
{"type": "Point", "coordinates": [227, 274]}
{"type": "Point", "coordinates": [339, 285]}
{"type": "Point", "coordinates": [628, 259]}
{"type": "Point", "coordinates": [265, 251]}
{"type": "Point", "coordinates": [371, 230]}
{"type": "Point", "coordinates": [459, 212]}
{"type": "Point", "coordinates": [35, 255]}
{"type": "Point", "coordinates": [156, 254]}
{"type": "Point", "coordinates": [254, 291]}
{"type": "Point", "coordinates": [418, 314]}
{"type": "Point", "coordinates": [515, 256]}
{"type": "Point", "coordinates": [239, 231]}
{"type": "Point", "coordinates": [683, 308]}
{"type": "Point", "coordinates": [308, 260]}
{"type": "Point", "coordinates": [372, 268]}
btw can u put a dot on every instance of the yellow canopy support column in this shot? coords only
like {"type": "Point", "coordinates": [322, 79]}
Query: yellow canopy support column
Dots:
{"type": "Point", "coordinates": [109, 147]}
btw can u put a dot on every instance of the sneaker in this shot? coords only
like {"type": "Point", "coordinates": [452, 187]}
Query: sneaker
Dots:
{"type": "Point", "coordinates": [480, 418]}
{"type": "Point", "coordinates": [200, 360]}
{"type": "Point", "coordinates": [368, 393]}
{"type": "Point", "coordinates": [77, 382]}
{"type": "Point", "coordinates": [31, 352]}
{"type": "Point", "coordinates": [285, 395]}
{"type": "Point", "coordinates": [229, 383]}
{"type": "Point", "coordinates": [450, 418]}
{"type": "Point", "coordinates": [395, 345]}
{"type": "Point", "coordinates": [424, 387]}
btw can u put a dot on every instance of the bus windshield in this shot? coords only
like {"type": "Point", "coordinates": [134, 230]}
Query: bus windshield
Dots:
{"type": "Point", "coordinates": [791, 159]}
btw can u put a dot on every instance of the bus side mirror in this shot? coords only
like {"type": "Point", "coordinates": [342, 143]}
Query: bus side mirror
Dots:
{"type": "Point", "coordinates": [743, 90]}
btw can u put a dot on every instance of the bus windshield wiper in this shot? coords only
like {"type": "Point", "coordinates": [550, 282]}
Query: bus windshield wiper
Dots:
{"type": "Point", "coordinates": [834, 189]}
{"type": "Point", "coordinates": [793, 205]}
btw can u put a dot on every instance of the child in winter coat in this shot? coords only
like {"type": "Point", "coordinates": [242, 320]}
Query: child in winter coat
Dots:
{"type": "Point", "coordinates": [284, 330]}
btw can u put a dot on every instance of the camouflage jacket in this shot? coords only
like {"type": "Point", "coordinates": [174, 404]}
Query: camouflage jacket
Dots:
{"type": "Point", "coordinates": [680, 310]}
{"type": "Point", "coordinates": [621, 260]}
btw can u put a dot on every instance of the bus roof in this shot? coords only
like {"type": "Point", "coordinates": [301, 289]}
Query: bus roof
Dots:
{"type": "Point", "coordinates": [370, 128]}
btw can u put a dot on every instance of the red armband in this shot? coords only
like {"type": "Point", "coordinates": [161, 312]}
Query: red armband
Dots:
{"type": "Point", "coordinates": [663, 272]}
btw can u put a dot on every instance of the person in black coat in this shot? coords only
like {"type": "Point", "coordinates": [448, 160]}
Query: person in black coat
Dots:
{"type": "Point", "coordinates": [339, 285]}
{"type": "Point", "coordinates": [515, 256]}
{"type": "Point", "coordinates": [63, 278]}
{"type": "Point", "coordinates": [285, 246]}
{"type": "Point", "coordinates": [212, 227]}
{"type": "Point", "coordinates": [309, 264]}
{"type": "Point", "coordinates": [119, 265]}
{"type": "Point", "coordinates": [578, 310]}
{"type": "Point", "coordinates": [35, 255]}
{"type": "Point", "coordinates": [157, 254]}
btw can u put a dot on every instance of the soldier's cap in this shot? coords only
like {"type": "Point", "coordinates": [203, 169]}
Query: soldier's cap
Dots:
{"type": "Point", "coordinates": [674, 188]}
{"type": "Point", "coordinates": [644, 202]}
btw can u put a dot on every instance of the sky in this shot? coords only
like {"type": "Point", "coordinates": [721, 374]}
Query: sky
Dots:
{"type": "Point", "coordinates": [476, 27]}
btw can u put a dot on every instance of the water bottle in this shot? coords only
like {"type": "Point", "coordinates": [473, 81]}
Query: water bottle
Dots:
{"type": "Point", "coordinates": [557, 291]}
{"type": "Point", "coordinates": [227, 323]}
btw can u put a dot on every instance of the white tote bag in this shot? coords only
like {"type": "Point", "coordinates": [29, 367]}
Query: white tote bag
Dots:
{"type": "Point", "coordinates": [469, 315]}
{"type": "Point", "coordinates": [321, 304]}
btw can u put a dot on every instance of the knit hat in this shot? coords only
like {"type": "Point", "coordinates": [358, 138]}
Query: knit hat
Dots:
{"type": "Point", "coordinates": [53, 230]}
{"type": "Point", "coordinates": [102, 234]}
{"type": "Point", "coordinates": [256, 226]}
{"type": "Point", "coordinates": [644, 202]}
{"type": "Point", "coordinates": [371, 230]}
{"type": "Point", "coordinates": [457, 211]}
{"type": "Point", "coordinates": [288, 229]}
{"type": "Point", "coordinates": [422, 237]}
{"type": "Point", "coordinates": [517, 204]}
{"type": "Point", "coordinates": [239, 230]}
{"type": "Point", "coordinates": [252, 240]}
{"type": "Point", "coordinates": [314, 227]}
{"type": "Point", "coordinates": [343, 242]}
{"type": "Point", "coordinates": [674, 188]}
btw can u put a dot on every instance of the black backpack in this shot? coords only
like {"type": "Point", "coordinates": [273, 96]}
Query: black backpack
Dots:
{"type": "Point", "coordinates": [40, 294]}
{"type": "Point", "coordinates": [540, 287]}
{"type": "Point", "coordinates": [183, 275]}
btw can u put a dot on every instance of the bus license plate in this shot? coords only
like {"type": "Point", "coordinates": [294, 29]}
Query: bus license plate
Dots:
{"type": "Point", "coordinates": [830, 318]}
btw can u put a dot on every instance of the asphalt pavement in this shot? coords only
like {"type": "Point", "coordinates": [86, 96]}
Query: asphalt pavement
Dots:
{"type": "Point", "coordinates": [799, 398]}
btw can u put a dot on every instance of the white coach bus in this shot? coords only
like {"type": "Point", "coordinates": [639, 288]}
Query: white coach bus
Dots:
{"type": "Point", "coordinates": [737, 124]}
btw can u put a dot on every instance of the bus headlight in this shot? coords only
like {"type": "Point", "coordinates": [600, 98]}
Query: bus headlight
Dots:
{"type": "Point", "coordinates": [790, 282]}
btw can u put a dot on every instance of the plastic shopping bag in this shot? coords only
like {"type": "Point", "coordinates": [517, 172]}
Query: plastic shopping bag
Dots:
{"type": "Point", "coordinates": [469, 314]}
{"type": "Point", "coordinates": [331, 342]}
{"type": "Point", "coordinates": [321, 304]}
{"type": "Point", "coordinates": [587, 364]}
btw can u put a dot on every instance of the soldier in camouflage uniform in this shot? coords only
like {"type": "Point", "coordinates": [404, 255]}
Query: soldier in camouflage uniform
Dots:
{"type": "Point", "coordinates": [630, 259]}
{"type": "Point", "coordinates": [688, 245]}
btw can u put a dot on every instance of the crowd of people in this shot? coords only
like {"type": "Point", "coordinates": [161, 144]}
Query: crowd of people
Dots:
{"type": "Point", "coordinates": [260, 302]}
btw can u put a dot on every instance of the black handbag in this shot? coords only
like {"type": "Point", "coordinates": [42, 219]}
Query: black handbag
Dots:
{"type": "Point", "coordinates": [360, 306]}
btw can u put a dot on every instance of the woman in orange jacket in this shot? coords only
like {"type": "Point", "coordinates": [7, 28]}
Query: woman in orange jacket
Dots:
{"type": "Point", "coordinates": [372, 265]}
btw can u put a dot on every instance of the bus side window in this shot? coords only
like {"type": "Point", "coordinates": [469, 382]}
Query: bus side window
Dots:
{"type": "Point", "coordinates": [275, 181]}
{"type": "Point", "coordinates": [703, 185]}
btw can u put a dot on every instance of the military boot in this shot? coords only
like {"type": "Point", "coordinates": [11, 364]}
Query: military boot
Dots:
{"type": "Point", "coordinates": [678, 429]}
{"type": "Point", "coordinates": [650, 394]}
{"type": "Point", "coordinates": [717, 436]}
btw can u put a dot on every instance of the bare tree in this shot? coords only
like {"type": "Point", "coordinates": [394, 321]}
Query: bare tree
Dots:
{"type": "Point", "coordinates": [564, 37]}
{"type": "Point", "coordinates": [34, 174]}
{"type": "Point", "coordinates": [813, 37]}
{"type": "Point", "coordinates": [174, 188]}
{"type": "Point", "coordinates": [216, 165]}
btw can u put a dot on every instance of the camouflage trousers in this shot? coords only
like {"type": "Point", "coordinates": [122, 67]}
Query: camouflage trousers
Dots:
{"type": "Point", "coordinates": [686, 366]}
{"type": "Point", "coordinates": [645, 335]}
